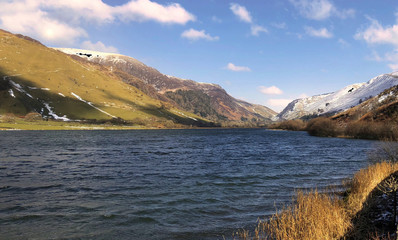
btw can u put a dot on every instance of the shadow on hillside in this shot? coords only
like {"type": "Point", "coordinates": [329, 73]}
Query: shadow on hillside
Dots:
{"type": "Point", "coordinates": [28, 98]}
{"type": "Point", "coordinates": [163, 113]}
{"type": "Point", "coordinates": [375, 220]}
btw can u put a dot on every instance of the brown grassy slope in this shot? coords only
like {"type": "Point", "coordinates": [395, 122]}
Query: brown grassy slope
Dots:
{"type": "Point", "coordinates": [45, 73]}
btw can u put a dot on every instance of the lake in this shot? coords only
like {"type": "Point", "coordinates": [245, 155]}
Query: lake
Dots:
{"type": "Point", "coordinates": [160, 184]}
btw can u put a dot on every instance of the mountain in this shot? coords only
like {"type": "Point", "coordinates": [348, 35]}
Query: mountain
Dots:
{"type": "Point", "coordinates": [339, 101]}
{"type": "Point", "coordinates": [34, 78]}
{"type": "Point", "coordinates": [380, 108]}
{"type": "Point", "coordinates": [207, 100]}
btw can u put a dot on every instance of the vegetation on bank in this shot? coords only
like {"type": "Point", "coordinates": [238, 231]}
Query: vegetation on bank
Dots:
{"type": "Point", "coordinates": [328, 127]}
{"type": "Point", "coordinates": [34, 121]}
{"type": "Point", "coordinates": [315, 215]}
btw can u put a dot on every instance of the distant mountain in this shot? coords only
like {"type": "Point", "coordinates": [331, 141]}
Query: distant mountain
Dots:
{"type": "Point", "coordinates": [339, 101]}
{"type": "Point", "coordinates": [34, 78]}
{"type": "Point", "coordinates": [207, 100]}
{"type": "Point", "coordinates": [380, 108]}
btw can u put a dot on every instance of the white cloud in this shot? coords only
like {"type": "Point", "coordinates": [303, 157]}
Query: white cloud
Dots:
{"type": "Point", "coordinates": [377, 34]}
{"type": "Point", "coordinates": [393, 66]}
{"type": "Point", "coordinates": [60, 22]}
{"type": "Point", "coordinates": [216, 19]}
{"type": "Point", "coordinates": [194, 35]}
{"type": "Point", "coordinates": [320, 9]}
{"type": "Point", "coordinates": [256, 29]}
{"type": "Point", "coordinates": [27, 18]}
{"type": "Point", "coordinates": [273, 90]}
{"type": "Point", "coordinates": [345, 13]}
{"type": "Point", "coordinates": [98, 46]}
{"type": "Point", "coordinates": [321, 33]}
{"type": "Point", "coordinates": [303, 95]}
{"type": "Point", "coordinates": [241, 12]}
{"type": "Point", "coordinates": [343, 42]}
{"type": "Point", "coordinates": [235, 68]}
{"type": "Point", "coordinates": [281, 25]}
{"type": "Point", "coordinates": [278, 104]}
{"type": "Point", "coordinates": [143, 10]}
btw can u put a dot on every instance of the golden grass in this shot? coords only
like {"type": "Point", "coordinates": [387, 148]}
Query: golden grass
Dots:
{"type": "Point", "coordinates": [364, 182]}
{"type": "Point", "coordinates": [317, 215]}
{"type": "Point", "coordinates": [314, 216]}
{"type": "Point", "coordinates": [45, 73]}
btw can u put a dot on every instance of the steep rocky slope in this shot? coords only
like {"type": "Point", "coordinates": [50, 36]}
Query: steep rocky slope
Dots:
{"type": "Point", "coordinates": [34, 78]}
{"type": "Point", "coordinates": [182, 92]}
{"type": "Point", "coordinates": [381, 108]}
{"type": "Point", "coordinates": [339, 101]}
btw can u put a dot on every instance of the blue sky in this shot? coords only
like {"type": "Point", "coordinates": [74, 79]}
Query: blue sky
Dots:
{"type": "Point", "coordinates": [267, 52]}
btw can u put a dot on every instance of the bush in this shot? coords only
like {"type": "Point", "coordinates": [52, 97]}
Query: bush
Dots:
{"type": "Point", "coordinates": [33, 116]}
{"type": "Point", "coordinates": [8, 118]}
{"type": "Point", "coordinates": [372, 130]}
{"type": "Point", "coordinates": [323, 127]}
{"type": "Point", "coordinates": [292, 125]}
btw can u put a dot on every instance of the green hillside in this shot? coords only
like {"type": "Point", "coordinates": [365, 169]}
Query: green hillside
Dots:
{"type": "Point", "coordinates": [34, 78]}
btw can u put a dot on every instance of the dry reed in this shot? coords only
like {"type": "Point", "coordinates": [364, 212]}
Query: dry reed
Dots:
{"type": "Point", "coordinates": [316, 215]}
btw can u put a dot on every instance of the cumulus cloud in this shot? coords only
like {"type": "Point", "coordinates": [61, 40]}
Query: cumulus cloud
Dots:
{"type": "Point", "coordinates": [235, 68]}
{"type": "Point", "coordinates": [321, 33]}
{"type": "Point", "coordinates": [320, 9]}
{"type": "Point", "coordinates": [194, 35]}
{"type": "Point", "coordinates": [377, 34]}
{"type": "Point", "coordinates": [27, 18]}
{"type": "Point", "coordinates": [278, 104]}
{"type": "Point", "coordinates": [241, 12]}
{"type": "Point", "coordinates": [143, 10]}
{"type": "Point", "coordinates": [393, 66]}
{"type": "Point", "coordinates": [98, 46]}
{"type": "Point", "coordinates": [60, 22]}
{"type": "Point", "coordinates": [256, 29]}
{"type": "Point", "coordinates": [244, 15]}
{"type": "Point", "coordinates": [273, 90]}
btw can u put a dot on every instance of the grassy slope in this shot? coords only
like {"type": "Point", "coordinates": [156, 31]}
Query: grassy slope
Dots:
{"type": "Point", "coordinates": [33, 65]}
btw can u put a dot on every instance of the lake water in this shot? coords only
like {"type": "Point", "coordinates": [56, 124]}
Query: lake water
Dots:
{"type": "Point", "coordinates": [159, 184]}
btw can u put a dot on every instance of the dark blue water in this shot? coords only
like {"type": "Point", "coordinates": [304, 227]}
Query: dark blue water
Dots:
{"type": "Point", "coordinates": [159, 184]}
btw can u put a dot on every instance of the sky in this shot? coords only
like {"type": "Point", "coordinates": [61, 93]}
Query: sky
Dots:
{"type": "Point", "coordinates": [268, 52]}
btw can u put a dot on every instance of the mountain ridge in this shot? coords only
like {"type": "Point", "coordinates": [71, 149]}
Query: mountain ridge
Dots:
{"type": "Point", "coordinates": [35, 78]}
{"type": "Point", "coordinates": [340, 100]}
{"type": "Point", "coordinates": [223, 106]}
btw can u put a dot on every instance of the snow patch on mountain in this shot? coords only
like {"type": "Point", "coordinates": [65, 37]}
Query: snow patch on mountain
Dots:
{"type": "Point", "coordinates": [340, 100]}
{"type": "Point", "coordinates": [52, 114]}
{"type": "Point", "coordinates": [91, 104]}
{"type": "Point", "coordinates": [11, 93]}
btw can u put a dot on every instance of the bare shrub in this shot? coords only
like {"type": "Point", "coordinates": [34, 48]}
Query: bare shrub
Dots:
{"type": "Point", "coordinates": [292, 125]}
{"type": "Point", "coordinates": [372, 130]}
{"type": "Point", "coordinates": [9, 118]}
{"type": "Point", "coordinates": [323, 127]}
{"type": "Point", "coordinates": [33, 116]}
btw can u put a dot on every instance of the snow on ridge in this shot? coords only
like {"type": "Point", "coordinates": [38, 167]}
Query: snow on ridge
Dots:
{"type": "Point", "coordinates": [11, 93]}
{"type": "Point", "coordinates": [74, 51]}
{"type": "Point", "coordinates": [340, 100]}
{"type": "Point", "coordinates": [89, 103]}
{"type": "Point", "coordinates": [55, 116]}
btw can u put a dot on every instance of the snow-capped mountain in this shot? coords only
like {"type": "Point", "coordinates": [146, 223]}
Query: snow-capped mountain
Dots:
{"type": "Point", "coordinates": [340, 100]}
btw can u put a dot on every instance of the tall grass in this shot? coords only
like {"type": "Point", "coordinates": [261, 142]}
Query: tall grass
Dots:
{"type": "Point", "coordinates": [315, 215]}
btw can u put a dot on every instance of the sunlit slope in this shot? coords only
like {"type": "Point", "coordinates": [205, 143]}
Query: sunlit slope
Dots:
{"type": "Point", "coordinates": [37, 78]}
